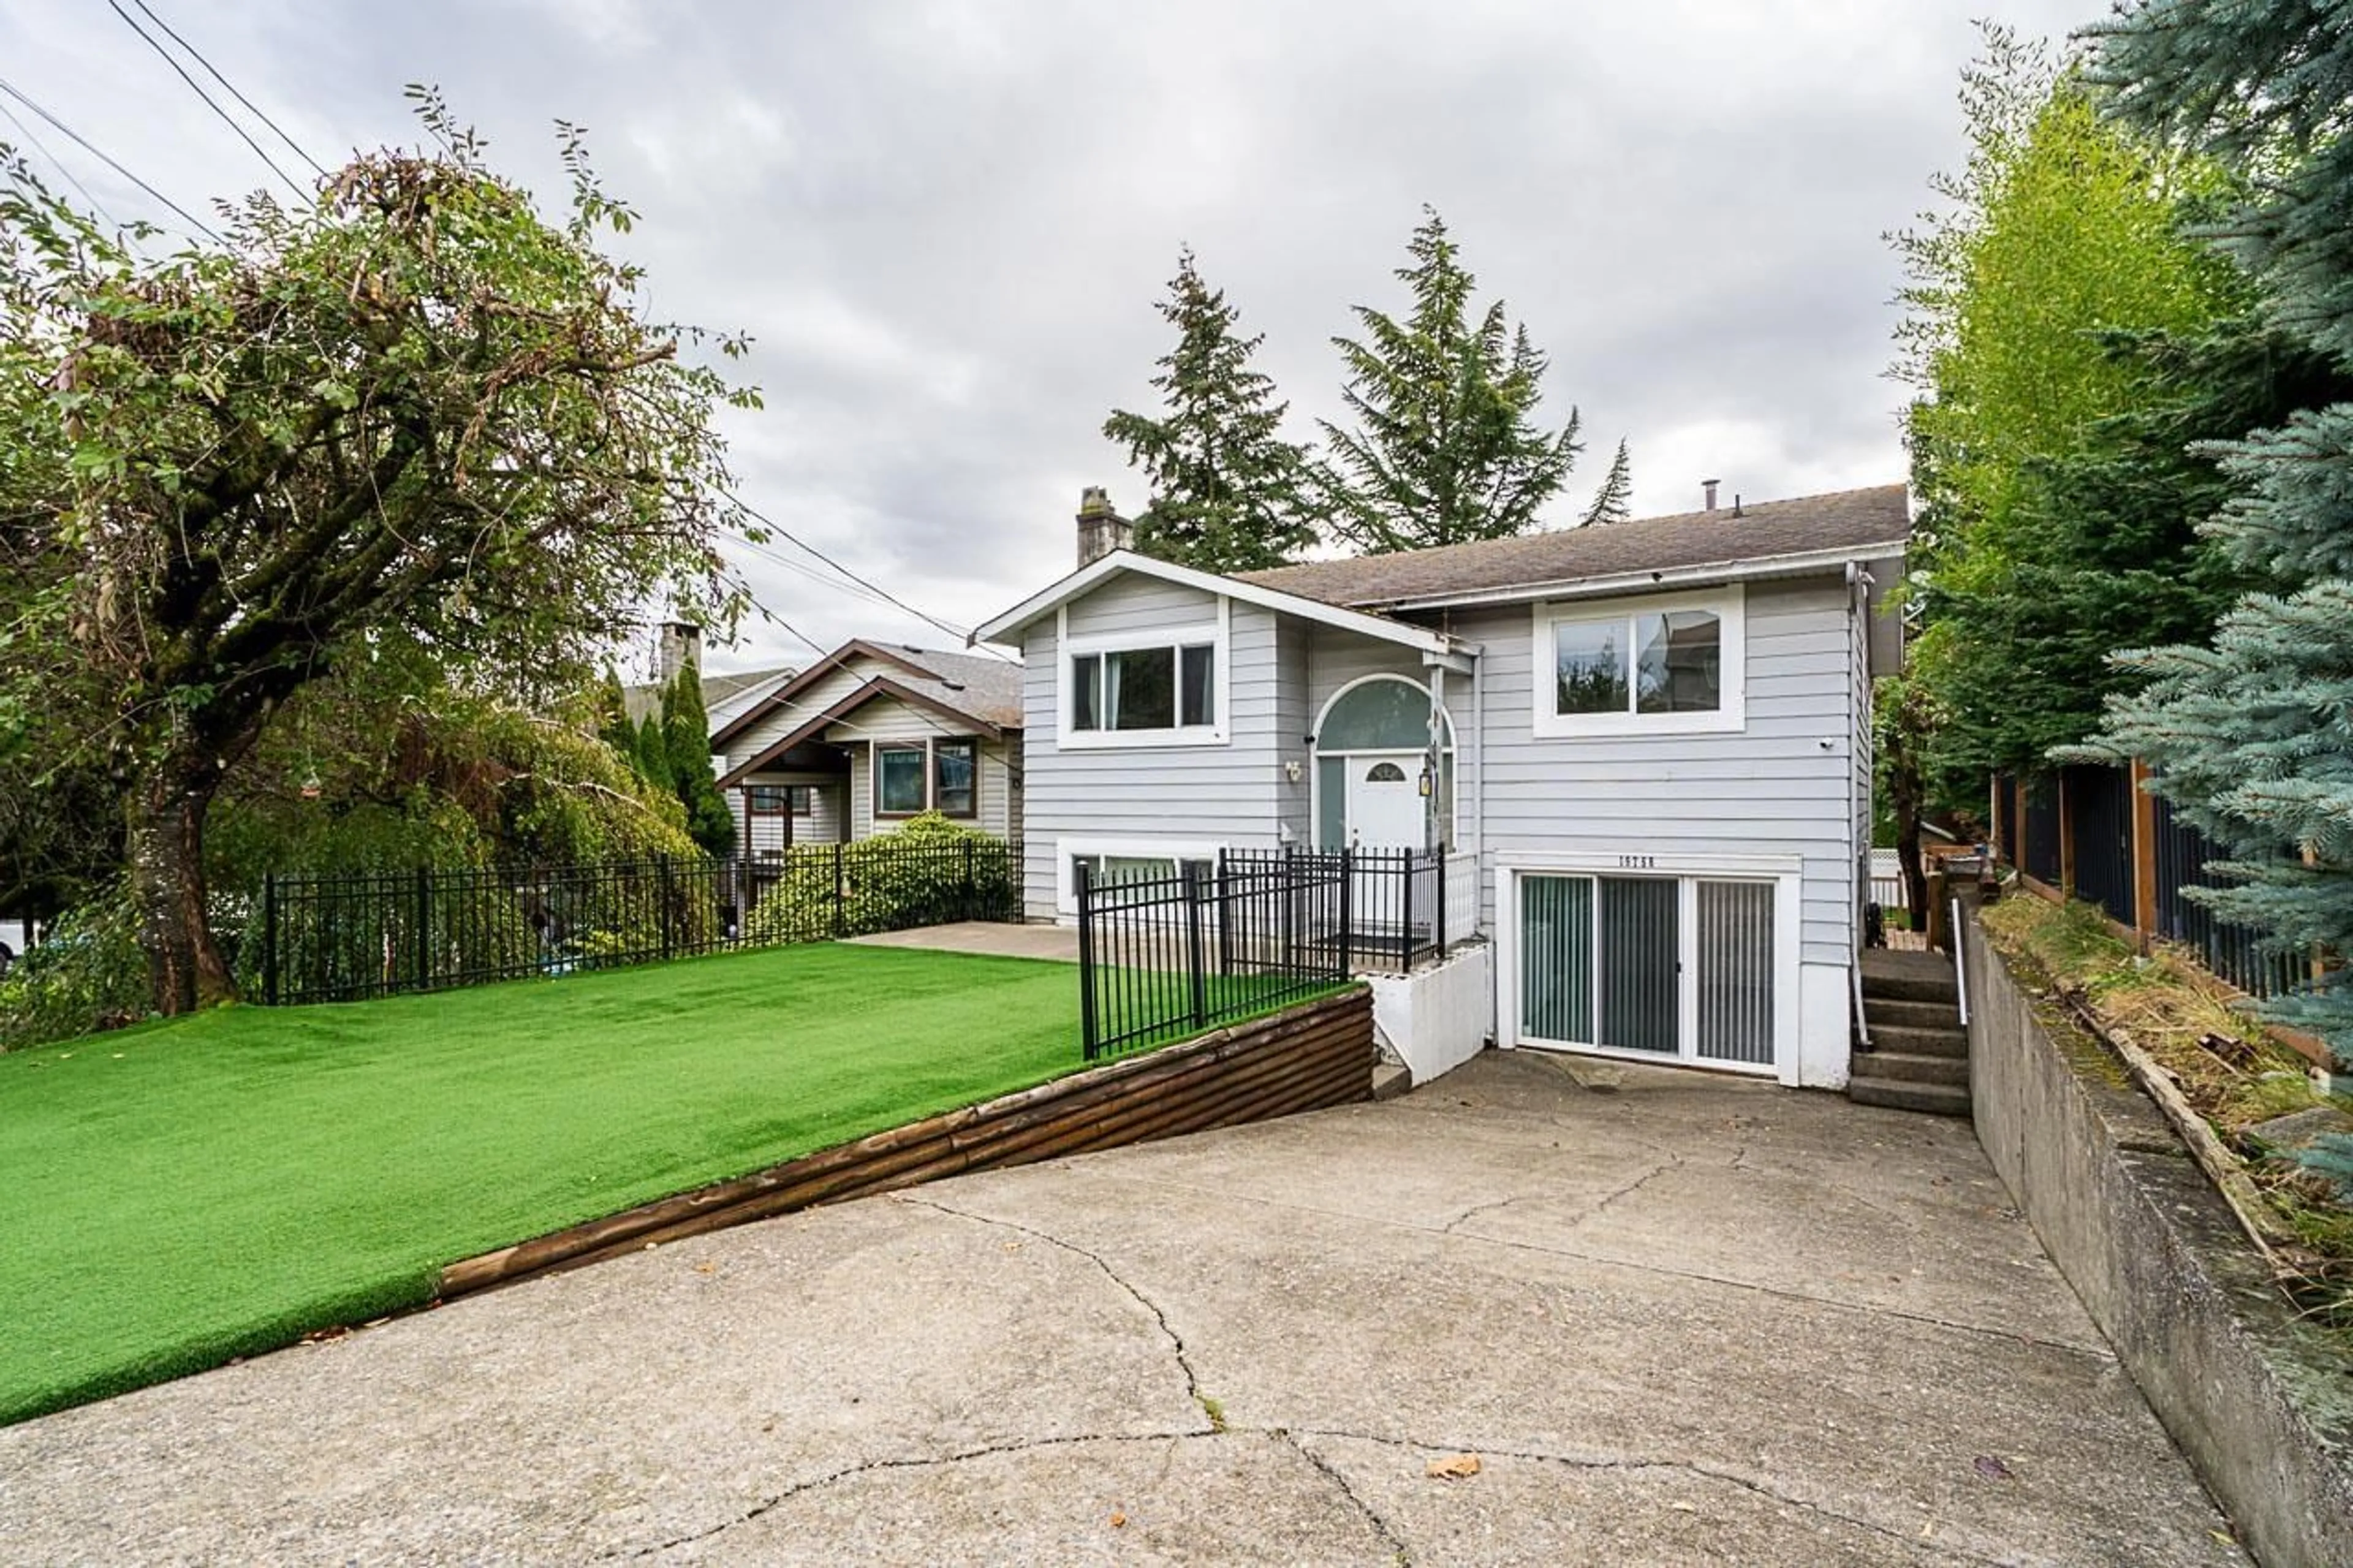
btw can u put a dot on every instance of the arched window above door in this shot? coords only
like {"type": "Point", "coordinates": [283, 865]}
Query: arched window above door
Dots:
{"type": "Point", "coordinates": [1387, 713]}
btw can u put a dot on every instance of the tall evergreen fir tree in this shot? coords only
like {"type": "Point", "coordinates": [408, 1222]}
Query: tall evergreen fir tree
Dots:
{"type": "Point", "coordinates": [2253, 737]}
{"type": "Point", "coordinates": [651, 754]}
{"type": "Point", "coordinates": [686, 744]}
{"type": "Point", "coordinates": [1228, 491]}
{"type": "Point", "coordinates": [1447, 449]}
{"type": "Point", "coordinates": [1613, 501]}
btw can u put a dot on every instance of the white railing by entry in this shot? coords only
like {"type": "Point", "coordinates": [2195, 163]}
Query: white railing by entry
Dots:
{"type": "Point", "coordinates": [1461, 895]}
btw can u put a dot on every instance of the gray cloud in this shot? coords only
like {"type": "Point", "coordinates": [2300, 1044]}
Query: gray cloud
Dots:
{"type": "Point", "coordinates": [945, 223]}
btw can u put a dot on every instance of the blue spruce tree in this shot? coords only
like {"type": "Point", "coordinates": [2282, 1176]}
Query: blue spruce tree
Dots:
{"type": "Point", "coordinates": [2252, 738]}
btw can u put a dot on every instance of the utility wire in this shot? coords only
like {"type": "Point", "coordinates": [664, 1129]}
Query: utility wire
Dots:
{"type": "Point", "coordinates": [57, 163]}
{"type": "Point", "coordinates": [251, 107]}
{"type": "Point", "coordinates": [198, 87]}
{"type": "Point", "coordinates": [83, 142]}
{"type": "Point", "coordinates": [803, 569]}
{"type": "Point", "coordinates": [960, 632]}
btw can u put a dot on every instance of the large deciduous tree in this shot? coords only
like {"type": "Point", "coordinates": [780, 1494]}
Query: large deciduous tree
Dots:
{"type": "Point", "coordinates": [411, 408]}
{"type": "Point", "coordinates": [1447, 447]}
{"type": "Point", "coordinates": [1228, 493]}
{"type": "Point", "coordinates": [2064, 337]}
{"type": "Point", "coordinates": [2252, 735]}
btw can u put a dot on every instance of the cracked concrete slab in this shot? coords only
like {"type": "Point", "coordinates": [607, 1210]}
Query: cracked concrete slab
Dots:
{"type": "Point", "coordinates": [1682, 1318]}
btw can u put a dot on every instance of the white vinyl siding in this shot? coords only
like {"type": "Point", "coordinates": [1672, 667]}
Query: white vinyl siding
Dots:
{"type": "Point", "coordinates": [1233, 793]}
{"type": "Point", "coordinates": [766, 730]}
{"type": "Point", "coordinates": [824, 823]}
{"type": "Point", "coordinates": [1782, 785]}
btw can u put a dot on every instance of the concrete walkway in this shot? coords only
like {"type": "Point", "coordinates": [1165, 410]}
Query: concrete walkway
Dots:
{"type": "Point", "coordinates": [1676, 1318]}
{"type": "Point", "coordinates": [995, 938]}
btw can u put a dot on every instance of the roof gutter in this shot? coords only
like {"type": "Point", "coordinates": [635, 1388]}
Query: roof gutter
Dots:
{"type": "Point", "coordinates": [1644, 581]}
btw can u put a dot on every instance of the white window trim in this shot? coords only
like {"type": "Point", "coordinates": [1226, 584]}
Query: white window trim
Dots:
{"type": "Point", "coordinates": [1728, 604]}
{"type": "Point", "coordinates": [1066, 892]}
{"type": "Point", "coordinates": [1784, 874]}
{"type": "Point", "coordinates": [1218, 635]}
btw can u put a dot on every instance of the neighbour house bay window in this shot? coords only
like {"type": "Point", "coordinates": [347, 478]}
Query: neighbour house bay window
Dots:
{"type": "Point", "coordinates": [1667, 662]}
{"type": "Point", "coordinates": [941, 775]}
{"type": "Point", "coordinates": [1144, 689]}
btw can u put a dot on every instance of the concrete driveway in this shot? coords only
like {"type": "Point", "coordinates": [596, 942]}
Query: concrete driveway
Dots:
{"type": "Point", "coordinates": [1675, 1318]}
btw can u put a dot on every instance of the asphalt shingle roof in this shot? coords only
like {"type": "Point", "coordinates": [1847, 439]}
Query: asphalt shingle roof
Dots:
{"type": "Point", "coordinates": [975, 683]}
{"type": "Point", "coordinates": [1866, 521]}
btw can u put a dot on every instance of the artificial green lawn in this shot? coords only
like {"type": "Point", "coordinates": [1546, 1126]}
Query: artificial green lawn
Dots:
{"type": "Point", "coordinates": [183, 1192]}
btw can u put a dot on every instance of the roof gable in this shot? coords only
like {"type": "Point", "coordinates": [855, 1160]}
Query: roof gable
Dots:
{"type": "Point", "coordinates": [979, 689]}
{"type": "Point", "coordinates": [1246, 589]}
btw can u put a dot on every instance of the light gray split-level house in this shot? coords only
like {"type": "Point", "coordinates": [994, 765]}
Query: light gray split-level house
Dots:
{"type": "Point", "coordinates": [1644, 747]}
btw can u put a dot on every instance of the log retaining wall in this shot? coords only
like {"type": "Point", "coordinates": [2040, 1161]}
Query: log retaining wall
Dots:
{"type": "Point", "coordinates": [1305, 1057]}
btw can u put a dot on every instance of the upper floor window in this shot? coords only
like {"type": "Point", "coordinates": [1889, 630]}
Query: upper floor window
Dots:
{"type": "Point", "coordinates": [1664, 662]}
{"type": "Point", "coordinates": [1144, 689]}
{"type": "Point", "coordinates": [1148, 688]}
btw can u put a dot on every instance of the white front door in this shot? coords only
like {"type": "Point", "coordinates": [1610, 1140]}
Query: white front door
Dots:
{"type": "Point", "coordinates": [1384, 804]}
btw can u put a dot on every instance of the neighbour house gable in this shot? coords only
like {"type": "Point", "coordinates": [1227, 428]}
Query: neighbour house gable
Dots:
{"type": "Point", "coordinates": [960, 693]}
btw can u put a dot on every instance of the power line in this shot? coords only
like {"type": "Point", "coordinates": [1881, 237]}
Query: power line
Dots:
{"type": "Point", "coordinates": [198, 87]}
{"type": "Point", "coordinates": [251, 107]}
{"type": "Point", "coordinates": [964, 632]}
{"type": "Point", "coordinates": [802, 569]}
{"type": "Point", "coordinates": [83, 142]}
{"type": "Point", "coordinates": [57, 163]}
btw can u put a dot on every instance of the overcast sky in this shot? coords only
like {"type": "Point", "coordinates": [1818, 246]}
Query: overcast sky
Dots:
{"type": "Point", "coordinates": [945, 224]}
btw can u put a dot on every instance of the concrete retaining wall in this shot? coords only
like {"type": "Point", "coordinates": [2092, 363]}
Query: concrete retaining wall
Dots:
{"type": "Point", "coordinates": [2262, 1405]}
{"type": "Point", "coordinates": [1438, 1017]}
{"type": "Point", "coordinates": [1303, 1058]}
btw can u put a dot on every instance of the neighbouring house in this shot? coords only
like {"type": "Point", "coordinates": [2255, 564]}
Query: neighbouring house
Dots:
{"type": "Point", "coordinates": [868, 736]}
{"type": "Point", "coordinates": [1643, 748]}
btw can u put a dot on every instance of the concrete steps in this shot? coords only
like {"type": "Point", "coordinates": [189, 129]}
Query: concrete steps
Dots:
{"type": "Point", "coordinates": [1919, 1055]}
{"type": "Point", "coordinates": [1934, 1098]}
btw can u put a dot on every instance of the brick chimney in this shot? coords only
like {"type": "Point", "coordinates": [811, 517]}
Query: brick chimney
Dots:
{"type": "Point", "coordinates": [678, 646]}
{"type": "Point", "coordinates": [1100, 530]}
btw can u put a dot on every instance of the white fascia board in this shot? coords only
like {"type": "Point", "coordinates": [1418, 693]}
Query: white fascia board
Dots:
{"type": "Point", "coordinates": [1003, 628]}
{"type": "Point", "coordinates": [1624, 582]}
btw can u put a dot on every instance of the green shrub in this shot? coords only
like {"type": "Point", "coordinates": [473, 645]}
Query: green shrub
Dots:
{"type": "Point", "coordinates": [930, 871]}
{"type": "Point", "coordinates": [88, 975]}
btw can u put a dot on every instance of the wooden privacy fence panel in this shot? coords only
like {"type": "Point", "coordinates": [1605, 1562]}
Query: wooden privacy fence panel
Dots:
{"type": "Point", "coordinates": [1314, 1055]}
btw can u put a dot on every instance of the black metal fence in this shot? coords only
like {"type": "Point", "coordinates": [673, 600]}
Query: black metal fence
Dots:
{"type": "Point", "coordinates": [2236, 952]}
{"type": "Point", "coordinates": [2100, 833]}
{"type": "Point", "coordinates": [2106, 854]}
{"type": "Point", "coordinates": [1164, 957]}
{"type": "Point", "coordinates": [2039, 831]}
{"type": "Point", "coordinates": [346, 937]}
